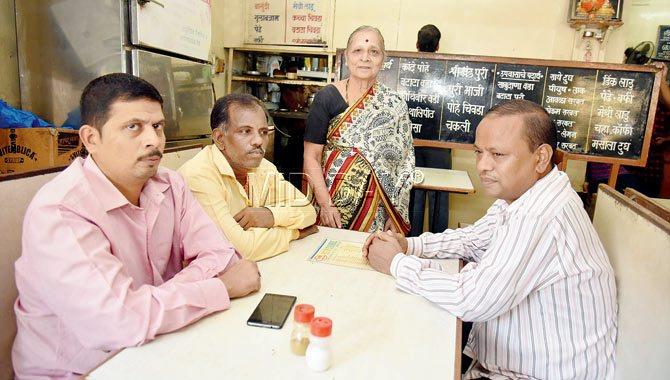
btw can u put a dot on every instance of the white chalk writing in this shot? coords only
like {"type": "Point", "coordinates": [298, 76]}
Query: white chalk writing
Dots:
{"type": "Point", "coordinates": [474, 90]}
{"type": "Point", "coordinates": [565, 123]}
{"type": "Point", "coordinates": [558, 89]}
{"type": "Point", "coordinates": [458, 126]}
{"type": "Point", "coordinates": [454, 107]}
{"type": "Point", "coordinates": [473, 109]}
{"type": "Point", "coordinates": [425, 113]}
{"type": "Point", "coordinates": [568, 146]}
{"type": "Point", "coordinates": [605, 112]}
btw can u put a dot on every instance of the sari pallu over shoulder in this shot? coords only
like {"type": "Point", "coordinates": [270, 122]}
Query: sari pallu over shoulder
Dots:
{"type": "Point", "coordinates": [368, 162]}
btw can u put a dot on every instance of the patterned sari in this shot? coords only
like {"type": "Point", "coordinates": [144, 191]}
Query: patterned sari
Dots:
{"type": "Point", "coordinates": [368, 162]}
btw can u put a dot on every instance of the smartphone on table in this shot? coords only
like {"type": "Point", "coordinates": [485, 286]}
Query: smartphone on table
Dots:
{"type": "Point", "coordinates": [272, 311]}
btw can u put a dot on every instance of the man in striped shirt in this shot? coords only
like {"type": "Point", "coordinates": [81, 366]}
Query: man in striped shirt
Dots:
{"type": "Point", "coordinates": [538, 284]}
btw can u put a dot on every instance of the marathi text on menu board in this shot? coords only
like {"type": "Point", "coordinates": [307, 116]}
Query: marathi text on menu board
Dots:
{"type": "Point", "coordinates": [419, 84]}
{"type": "Point", "coordinates": [596, 112]}
{"type": "Point", "coordinates": [286, 22]}
{"type": "Point", "coordinates": [305, 23]}
{"type": "Point", "coordinates": [467, 95]}
{"type": "Point", "coordinates": [266, 22]}
{"type": "Point", "coordinates": [663, 43]}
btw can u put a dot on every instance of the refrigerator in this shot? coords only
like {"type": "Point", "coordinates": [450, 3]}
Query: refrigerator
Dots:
{"type": "Point", "coordinates": [64, 44]}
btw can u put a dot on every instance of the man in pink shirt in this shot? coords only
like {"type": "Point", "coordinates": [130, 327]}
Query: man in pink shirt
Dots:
{"type": "Point", "coordinates": [115, 249]}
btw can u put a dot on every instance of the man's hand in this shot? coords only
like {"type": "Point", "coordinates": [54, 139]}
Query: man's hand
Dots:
{"type": "Point", "coordinates": [381, 253]}
{"type": "Point", "coordinates": [385, 236]}
{"type": "Point", "coordinates": [241, 278]}
{"type": "Point", "coordinates": [366, 246]}
{"type": "Point", "coordinates": [308, 231]}
{"type": "Point", "coordinates": [330, 216]}
{"type": "Point", "coordinates": [255, 217]}
{"type": "Point", "coordinates": [662, 67]}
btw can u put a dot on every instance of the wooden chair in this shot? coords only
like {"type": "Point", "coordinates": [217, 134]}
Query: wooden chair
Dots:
{"type": "Point", "coordinates": [18, 190]}
{"type": "Point", "coordinates": [637, 242]}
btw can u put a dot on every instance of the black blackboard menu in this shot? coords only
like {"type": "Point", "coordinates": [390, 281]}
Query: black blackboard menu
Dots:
{"type": "Point", "coordinates": [467, 94]}
{"type": "Point", "coordinates": [518, 82]}
{"type": "Point", "coordinates": [419, 83]}
{"type": "Point", "coordinates": [620, 112]}
{"type": "Point", "coordinates": [663, 43]}
{"type": "Point", "coordinates": [600, 110]}
{"type": "Point", "coordinates": [569, 100]}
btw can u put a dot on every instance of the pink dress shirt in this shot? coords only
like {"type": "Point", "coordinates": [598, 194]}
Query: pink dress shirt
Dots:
{"type": "Point", "coordinates": [98, 274]}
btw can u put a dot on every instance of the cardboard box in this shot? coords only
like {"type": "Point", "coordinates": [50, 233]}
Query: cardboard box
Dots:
{"type": "Point", "coordinates": [26, 149]}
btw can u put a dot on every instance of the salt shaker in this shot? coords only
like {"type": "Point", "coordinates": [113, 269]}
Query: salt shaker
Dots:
{"type": "Point", "coordinates": [302, 316]}
{"type": "Point", "coordinates": [319, 355]}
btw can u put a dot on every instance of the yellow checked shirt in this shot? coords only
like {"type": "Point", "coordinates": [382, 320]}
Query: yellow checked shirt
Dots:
{"type": "Point", "coordinates": [212, 181]}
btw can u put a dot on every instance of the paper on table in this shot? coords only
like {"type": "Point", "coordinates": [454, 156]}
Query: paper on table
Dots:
{"type": "Point", "coordinates": [345, 253]}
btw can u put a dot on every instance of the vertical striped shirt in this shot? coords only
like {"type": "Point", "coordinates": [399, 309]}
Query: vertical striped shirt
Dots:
{"type": "Point", "coordinates": [538, 286]}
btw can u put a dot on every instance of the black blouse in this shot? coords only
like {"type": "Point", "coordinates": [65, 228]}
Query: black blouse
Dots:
{"type": "Point", "coordinates": [327, 104]}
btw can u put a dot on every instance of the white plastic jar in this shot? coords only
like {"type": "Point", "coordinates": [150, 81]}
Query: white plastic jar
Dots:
{"type": "Point", "coordinates": [319, 354]}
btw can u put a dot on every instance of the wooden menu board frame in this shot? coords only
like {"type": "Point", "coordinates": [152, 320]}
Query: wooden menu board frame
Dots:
{"type": "Point", "coordinates": [641, 161]}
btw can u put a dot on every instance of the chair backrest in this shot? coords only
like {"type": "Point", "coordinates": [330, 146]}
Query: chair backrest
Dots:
{"type": "Point", "coordinates": [16, 195]}
{"type": "Point", "coordinates": [176, 157]}
{"type": "Point", "coordinates": [17, 191]}
{"type": "Point", "coordinates": [638, 245]}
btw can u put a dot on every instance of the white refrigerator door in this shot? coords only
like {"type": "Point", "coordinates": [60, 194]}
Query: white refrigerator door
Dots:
{"type": "Point", "coordinates": [177, 26]}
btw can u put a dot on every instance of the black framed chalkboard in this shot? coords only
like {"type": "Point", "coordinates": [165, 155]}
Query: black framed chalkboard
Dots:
{"type": "Point", "coordinates": [663, 43]}
{"type": "Point", "coordinates": [602, 111]}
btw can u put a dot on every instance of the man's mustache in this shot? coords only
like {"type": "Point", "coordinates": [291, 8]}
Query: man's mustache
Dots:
{"type": "Point", "coordinates": [155, 152]}
{"type": "Point", "coordinates": [258, 150]}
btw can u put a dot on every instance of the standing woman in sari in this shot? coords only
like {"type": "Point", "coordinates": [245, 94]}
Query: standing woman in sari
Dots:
{"type": "Point", "coordinates": [358, 156]}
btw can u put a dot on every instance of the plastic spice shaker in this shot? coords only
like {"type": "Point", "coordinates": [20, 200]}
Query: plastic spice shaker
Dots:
{"type": "Point", "coordinates": [302, 316]}
{"type": "Point", "coordinates": [319, 355]}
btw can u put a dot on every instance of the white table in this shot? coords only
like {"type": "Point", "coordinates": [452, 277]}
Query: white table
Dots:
{"type": "Point", "coordinates": [379, 332]}
{"type": "Point", "coordinates": [454, 181]}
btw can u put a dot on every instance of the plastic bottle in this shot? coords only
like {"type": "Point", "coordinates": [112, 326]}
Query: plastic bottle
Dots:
{"type": "Point", "coordinates": [319, 355]}
{"type": "Point", "coordinates": [302, 316]}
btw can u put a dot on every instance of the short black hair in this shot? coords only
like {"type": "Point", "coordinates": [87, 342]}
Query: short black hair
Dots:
{"type": "Point", "coordinates": [221, 111]}
{"type": "Point", "coordinates": [99, 95]}
{"type": "Point", "coordinates": [538, 126]}
{"type": "Point", "coordinates": [428, 38]}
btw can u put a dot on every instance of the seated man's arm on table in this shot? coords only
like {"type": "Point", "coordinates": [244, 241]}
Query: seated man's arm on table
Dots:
{"type": "Point", "coordinates": [289, 206]}
{"type": "Point", "coordinates": [88, 288]}
{"type": "Point", "coordinates": [200, 242]}
{"type": "Point", "coordinates": [254, 243]}
{"type": "Point", "coordinates": [467, 243]}
{"type": "Point", "coordinates": [522, 259]}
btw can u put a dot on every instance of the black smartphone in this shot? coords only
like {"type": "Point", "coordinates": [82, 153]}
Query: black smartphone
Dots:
{"type": "Point", "coordinates": [272, 311]}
